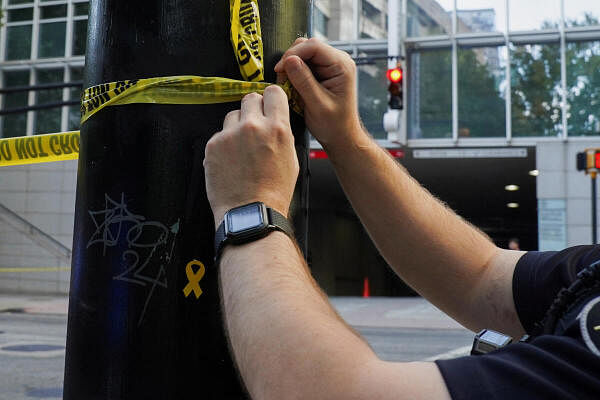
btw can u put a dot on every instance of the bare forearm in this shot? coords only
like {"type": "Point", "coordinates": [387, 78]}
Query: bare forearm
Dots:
{"type": "Point", "coordinates": [430, 247]}
{"type": "Point", "coordinates": [284, 334]}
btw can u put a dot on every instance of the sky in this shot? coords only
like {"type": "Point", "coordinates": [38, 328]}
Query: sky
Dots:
{"type": "Point", "coordinates": [528, 14]}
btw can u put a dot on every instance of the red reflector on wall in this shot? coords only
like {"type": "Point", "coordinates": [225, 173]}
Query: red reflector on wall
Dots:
{"type": "Point", "coordinates": [321, 155]}
{"type": "Point", "coordinates": [397, 153]}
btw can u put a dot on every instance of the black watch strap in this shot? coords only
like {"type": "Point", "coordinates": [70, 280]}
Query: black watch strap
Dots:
{"type": "Point", "coordinates": [277, 222]}
{"type": "Point", "coordinates": [219, 238]}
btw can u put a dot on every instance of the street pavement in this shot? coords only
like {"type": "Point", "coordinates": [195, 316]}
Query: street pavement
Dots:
{"type": "Point", "coordinates": [33, 335]}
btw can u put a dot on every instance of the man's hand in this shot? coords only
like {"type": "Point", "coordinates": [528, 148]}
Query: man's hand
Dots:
{"type": "Point", "coordinates": [253, 157]}
{"type": "Point", "coordinates": [325, 78]}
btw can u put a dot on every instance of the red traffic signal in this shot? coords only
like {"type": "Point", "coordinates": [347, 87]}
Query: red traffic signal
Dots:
{"type": "Point", "coordinates": [597, 160]}
{"type": "Point", "coordinates": [395, 75]}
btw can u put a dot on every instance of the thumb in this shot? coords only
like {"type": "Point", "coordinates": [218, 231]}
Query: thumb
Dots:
{"type": "Point", "coordinates": [303, 80]}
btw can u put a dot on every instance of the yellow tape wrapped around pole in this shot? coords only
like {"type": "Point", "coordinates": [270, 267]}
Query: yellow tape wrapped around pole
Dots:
{"type": "Point", "coordinates": [173, 90]}
{"type": "Point", "coordinates": [246, 38]}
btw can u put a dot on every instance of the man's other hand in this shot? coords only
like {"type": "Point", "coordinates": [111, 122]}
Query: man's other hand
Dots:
{"type": "Point", "coordinates": [253, 158]}
{"type": "Point", "coordinates": [325, 79]}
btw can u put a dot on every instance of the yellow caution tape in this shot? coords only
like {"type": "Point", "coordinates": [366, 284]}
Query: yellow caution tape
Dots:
{"type": "Point", "coordinates": [173, 90]}
{"type": "Point", "coordinates": [39, 149]}
{"type": "Point", "coordinates": [246, 38]}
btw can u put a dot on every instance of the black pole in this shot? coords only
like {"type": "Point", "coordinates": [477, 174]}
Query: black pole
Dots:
{"type": "Point", "coordinates": [142, 215]}
{"type": "Point", "coordinates": [594, 210]}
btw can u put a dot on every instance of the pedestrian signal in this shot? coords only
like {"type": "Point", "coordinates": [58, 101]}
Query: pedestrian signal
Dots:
{"type": "Point", "coordinates": [589, 161]}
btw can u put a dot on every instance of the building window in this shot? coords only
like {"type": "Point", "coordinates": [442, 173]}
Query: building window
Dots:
{"type": "Point", "coordinates": [80, 24]}
{"type": "Point", "coordinates": [53, 31]}
{"type": "Point", "coordinates": [52, 40]}
{"type": "Point", "coordinates": [79, 37]}
{"type": "Point", "coordinates": [482, 89]}
{"type": "Point", "coordinates": [14, 125]}
{"type": "Point", "coordinates": [535, 90]}
{"type": "Point", "coordinates": [583, 88]}
{"type": "Point", "coordinates": [49, 121]}
{"type": "Point", "coordinates": [19, 24]}
{"type": "Point", "coordinates": [321, 22]}
{"type": "Point", "coordinates": [430, 94]}
{"type": "Point", "coordinates": [75, 94]}
{"type": "Point", "coordinates": [340, 23]}
{"type": "Point", "coordinates": [372, 95]}
{"type": "Point", "coordinates": [18, 42]}
{"type": "Point", "coordinates": [373, 20]}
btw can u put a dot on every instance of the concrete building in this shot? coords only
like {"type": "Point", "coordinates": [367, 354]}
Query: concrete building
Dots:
{"type": "Point", "coordinates": [494, 95]}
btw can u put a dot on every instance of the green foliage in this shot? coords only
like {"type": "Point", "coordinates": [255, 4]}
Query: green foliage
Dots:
{"type": "Point", "coordinates": [535, 90]}
{"type": "Point", "coordinates": [536, 93]}
{"type": "Point", "coordinates": [373, 97]}
{"type": "Point", "coordinates": [480, 104]}
{"type": "Point", "coordinates": [583, 88]}
{"type": "Point", "coordinates": [435, 93]}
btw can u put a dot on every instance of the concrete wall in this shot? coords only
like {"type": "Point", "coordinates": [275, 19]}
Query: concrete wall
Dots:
{"type": "Point", "coordinates": [559, 180]}
{"type": "Point", "coordinates": [44, 195]}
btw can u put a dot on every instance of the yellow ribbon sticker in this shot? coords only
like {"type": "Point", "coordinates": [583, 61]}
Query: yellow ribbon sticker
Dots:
{"type": "Point", "coordinates": [246, 38]}
{"type": "Point", "coordinates": [194, 278]}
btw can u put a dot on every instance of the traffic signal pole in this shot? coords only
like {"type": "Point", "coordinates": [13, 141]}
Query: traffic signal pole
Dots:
{"type": "Point", "coordinates": [392, 119]}
{"type": "Point", "coordinates": [588, 161]}
{"type": "Point", "coordinates": [594, 209]}
{"type": "Point", "coordinates": [144, 310]}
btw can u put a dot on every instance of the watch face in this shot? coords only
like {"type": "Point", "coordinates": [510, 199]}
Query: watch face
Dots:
{"type": "Point", "coordinates": [245, 218]}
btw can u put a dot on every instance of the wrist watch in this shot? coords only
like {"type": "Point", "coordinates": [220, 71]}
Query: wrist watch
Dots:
{"type": "Point", "coordinates": [249, 223]}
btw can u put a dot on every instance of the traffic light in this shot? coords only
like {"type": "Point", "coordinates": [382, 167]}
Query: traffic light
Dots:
{"type": "Point", "coordinates": [589, 161]}
{"type": "Point", "coordinates": [395, 76]}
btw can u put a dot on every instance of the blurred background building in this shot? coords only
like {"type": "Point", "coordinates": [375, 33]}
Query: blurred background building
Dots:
{"type": "Point", "coordinates": [499, 97]}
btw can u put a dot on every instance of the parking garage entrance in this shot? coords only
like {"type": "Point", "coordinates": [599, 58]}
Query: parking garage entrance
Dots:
{"type": "Point", "coordinates": [492, 188]}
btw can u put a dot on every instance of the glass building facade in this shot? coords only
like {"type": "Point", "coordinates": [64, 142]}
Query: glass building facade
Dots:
{"type": "Point", "coordinates": [476, 69]}
{"type": "Point", "coordinates": [41, 42]}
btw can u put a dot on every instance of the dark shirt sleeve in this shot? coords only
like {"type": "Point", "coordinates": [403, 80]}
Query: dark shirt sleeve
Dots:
{"type": "Point", "coordinates": [539, 276]}
{"type": "Point", "coordinates": [548, 367]}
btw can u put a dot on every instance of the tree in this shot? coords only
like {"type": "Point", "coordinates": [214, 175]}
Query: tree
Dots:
{"type": "Point", "coordinates": [481, 102]}
{"type": "Point", "coordinates": [536, 87]}
{"type": "Point", "coordinates": [536, 91]}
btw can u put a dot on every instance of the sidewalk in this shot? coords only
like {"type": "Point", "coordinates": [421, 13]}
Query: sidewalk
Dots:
{"type": "Point", "coordinates": [391, 312]}
{"type": "Point", "coordinates": [34, 304]}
